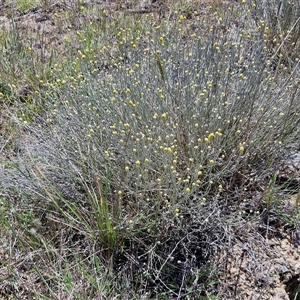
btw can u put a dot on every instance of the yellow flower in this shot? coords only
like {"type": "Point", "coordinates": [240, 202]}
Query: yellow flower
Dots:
{"type": "Point", "coordinates": [164, 116]}
{"type": "Point", "coordinates": [132, 104]}
{"type": "Point", "coordinates": [187, 190]}
{"type": "Point", "coordinates": [242, 149]}
{"type": "Point", "coordinates": [211, 136]}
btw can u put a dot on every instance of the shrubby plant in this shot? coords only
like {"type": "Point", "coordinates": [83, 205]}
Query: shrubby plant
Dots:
{"type": "Point", "coordinates": [156, 149]}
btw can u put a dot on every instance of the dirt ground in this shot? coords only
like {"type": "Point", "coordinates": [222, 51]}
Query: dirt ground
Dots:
{"type": "Point", "coordinates": [265, 262]}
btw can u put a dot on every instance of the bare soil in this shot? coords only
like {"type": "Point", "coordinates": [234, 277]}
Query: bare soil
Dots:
{"type": "Point", "coordinates": [264, 262]}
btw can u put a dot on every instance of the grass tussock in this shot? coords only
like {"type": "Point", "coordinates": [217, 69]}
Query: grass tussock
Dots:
{"type": "Point", "coordinates": [140, 152]}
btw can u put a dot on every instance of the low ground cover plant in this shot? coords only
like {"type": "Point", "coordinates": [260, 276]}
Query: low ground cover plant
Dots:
{"type": "Point", "coordinates": [147, 149]}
